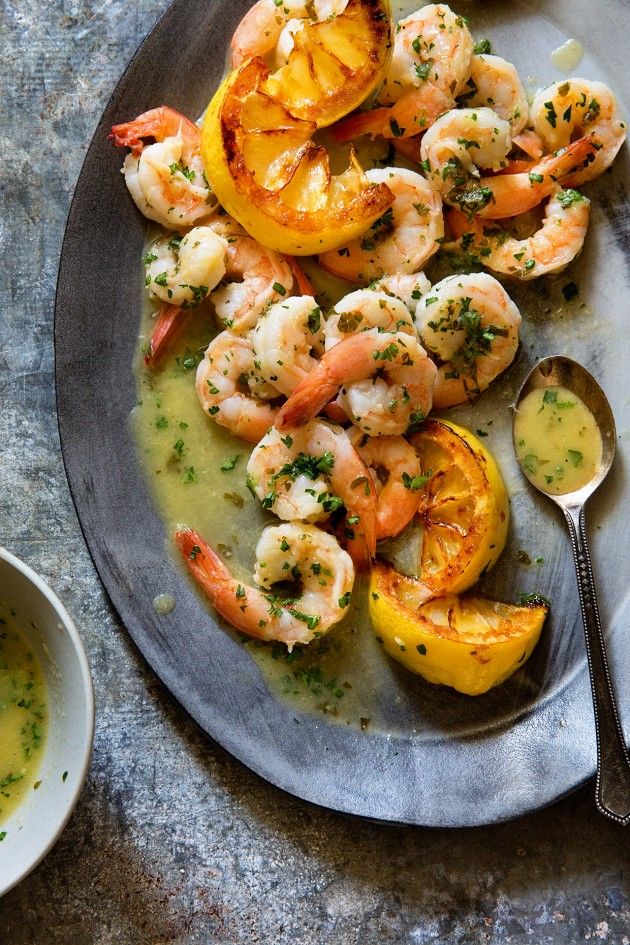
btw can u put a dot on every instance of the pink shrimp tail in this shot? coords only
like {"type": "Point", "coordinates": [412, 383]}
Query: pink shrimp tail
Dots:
{"type": "Point", "coordinates": [582, 152]}
{"type": "Point", "coordinates": [205, 566]}
{"type": "Point", "coordinates": [509, 200]}
{"type": "Point", "coordinates": [568, 160]}
{"type": "Point", "coordinates": [458, 222]}
{"type": "Point", "coordinates": [309, 397]}
{"type": "Point", "coordinates": [516, 167]}
{"type": "Point", "coordinates": [410, 116]}
{"type": "Point", "coordinates": [529, 142]}
{"type": "Point", "coordinates": [158, 123]}
{"type": "Point", "coordinates": [336, 413]}
{"type": "Point", "coordinates": [409, 148]}
{"type": "Point", "coordinates": [167, 325]}
{"type": "Point", "coordinates": [361, 545]}
{"type": "Point", "coordinates": [362, 550]}
{"type": "Point", "coordinates": [302, 281]}
{"type": "Point", "coordinates": [373, 122]}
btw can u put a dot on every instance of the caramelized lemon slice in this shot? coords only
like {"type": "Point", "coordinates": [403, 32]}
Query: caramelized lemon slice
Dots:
{"type": "Point", "coordinates": [469, 643]}
{"type": "Point", "coordinates": [268, 174]}
{"type": "Point", "coordinates": [336, 64]}
{"type": "Point", "coordinates": [463, 508]}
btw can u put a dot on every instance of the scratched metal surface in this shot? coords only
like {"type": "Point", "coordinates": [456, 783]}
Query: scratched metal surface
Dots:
{"type": "Point", "coordinates": [173, 841]}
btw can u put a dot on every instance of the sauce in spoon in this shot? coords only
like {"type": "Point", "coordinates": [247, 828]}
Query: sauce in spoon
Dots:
{"type": "Point", "coordinates": [557, 439]}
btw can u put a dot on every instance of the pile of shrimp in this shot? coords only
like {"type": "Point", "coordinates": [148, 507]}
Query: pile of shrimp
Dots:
{"type": "Point", "coordinates": [327, 398]}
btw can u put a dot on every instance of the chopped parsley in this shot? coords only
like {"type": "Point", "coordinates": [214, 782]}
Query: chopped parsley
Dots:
{"type": "Point", "coordinates": [416, 482]}
{"type": "Point", "coordinates": [230, 463]}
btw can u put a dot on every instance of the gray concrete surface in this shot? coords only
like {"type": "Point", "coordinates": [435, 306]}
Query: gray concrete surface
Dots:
{"type": "Point", "coordinates": [173, 842]}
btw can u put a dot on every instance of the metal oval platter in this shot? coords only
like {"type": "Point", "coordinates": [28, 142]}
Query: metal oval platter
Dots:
{"type": "Point", "coordinates": [435, 757]}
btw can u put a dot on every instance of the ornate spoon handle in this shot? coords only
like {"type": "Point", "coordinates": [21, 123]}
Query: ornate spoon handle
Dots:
{"type": "Point", "coordinates": [612, 791]}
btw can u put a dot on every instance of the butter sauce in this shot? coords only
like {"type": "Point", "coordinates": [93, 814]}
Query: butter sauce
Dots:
{"type": "Point", "coordinates": [557, 440]}
{"type": "Point", "coordinates": [567, 57]}
{"type": "Point", "coordinates": [23, 715]}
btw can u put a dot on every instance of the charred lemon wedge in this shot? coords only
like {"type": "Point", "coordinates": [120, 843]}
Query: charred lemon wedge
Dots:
{"type": "Point", "coordinates": [463, 508]}
{"type": "Point", "coordinates": [336, 64]}
{"type": "Point", "coordinates": [468, 643]}
{"type": "Point", "coordinates": [268, 174]}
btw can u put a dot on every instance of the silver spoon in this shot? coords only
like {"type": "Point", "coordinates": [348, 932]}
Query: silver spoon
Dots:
{"type": "Point", "coordinates": [612, 789]}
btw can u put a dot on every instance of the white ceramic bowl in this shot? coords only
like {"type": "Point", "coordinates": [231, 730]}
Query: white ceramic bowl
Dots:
{"type": "Point", "coordinates": [37, 823]}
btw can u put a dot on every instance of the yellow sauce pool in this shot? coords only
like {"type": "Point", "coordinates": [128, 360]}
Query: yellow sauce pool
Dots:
{"type": "Point", "coordinates": [557, 439]}
{"type": "Point", "coordinates": [23, 715]}
{"type": "Point", "coordinates": [182, 451]}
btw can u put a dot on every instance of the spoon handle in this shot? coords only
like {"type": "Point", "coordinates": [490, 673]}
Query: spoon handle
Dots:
{"type": "Point", "coordinates": [612, 791]}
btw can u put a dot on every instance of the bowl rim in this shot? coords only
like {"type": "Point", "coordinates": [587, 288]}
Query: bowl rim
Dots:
{"type": "Point", "coordinates": [88, 690]}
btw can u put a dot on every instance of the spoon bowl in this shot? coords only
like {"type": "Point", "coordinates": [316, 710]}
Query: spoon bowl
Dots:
{"type": "Point", "coordinates": [612, 790]}
{"type": "Point", "coordinates": [558, 371]}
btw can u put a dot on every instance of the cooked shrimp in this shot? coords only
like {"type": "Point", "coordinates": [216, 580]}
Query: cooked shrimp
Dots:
{"type": "Point", "coordinates": [182, 269]}
{"type": "Point", "coordinates": [360, 311]}
{"type": "Point", "coordinates": [285, 338]}
{"type": "Point", "coordinates": [365, 309]}
{"type": "Point", "coordinates": [396, 472]}
{"type": "Point", "coordinates": [232, 391]}
{"type": "Point", "coordinates": [461, 142]}
{"type": "Point", "coordinates": [572, 108]}
{"type": "Point", "coordinates": [509, 195]}
{"type": "Point", "coordinates": [549, 249]}
{"type": "Point", "coordinates": [415, 111]}
{"type": "Point", "coordinates": [408, 288]}
{"type": "Point", "coordinates": [495, 83]}
{"type": "Point", "coordinates": [386, 382]}
{"type": "Point", "coordinates": [402, 240]}
{"type": "Point", "coordinates": [433, 47]}
{"type": "Point", "coordinates": [255, 277]}
{"type": "Point", "coordinates": [470, 325]}
{"type": "Point", "coordinates": [268, 25]}
{"type": "Point", "coordinates": [166, 179]}
{"type": "Point", "coordinates": [321, 572]}
{"type": "Point", "coordinates": [430, 65]}
{"type": "Point", "coordinates": [311, 472]}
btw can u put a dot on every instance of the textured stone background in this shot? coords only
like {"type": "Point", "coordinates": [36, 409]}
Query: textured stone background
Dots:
{"type": "Point", "coordinates": [172, 840]}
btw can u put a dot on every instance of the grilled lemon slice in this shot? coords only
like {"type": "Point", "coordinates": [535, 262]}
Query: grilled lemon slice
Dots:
{"type": "Point", "coordinates": [336, 64]}
{"type": "Point", "coordinates": [268, 174]}
{"type": "Point", "coordinates": [463, 508]}
{"type": "Point", "coordinates": [468, 643]}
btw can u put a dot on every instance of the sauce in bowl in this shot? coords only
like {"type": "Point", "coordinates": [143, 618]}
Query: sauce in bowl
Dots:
{"type": "Point", "coordinates": [23, 714]}
{"type": "Point", "coordinates": [557, 440]}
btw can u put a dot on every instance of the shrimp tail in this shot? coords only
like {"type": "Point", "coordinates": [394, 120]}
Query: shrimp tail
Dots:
{"type": "Point", "coordinates": [158, 123]}
{"type": "Point", "coordinates": [336, 413]}
{"type": "Point", "coordinates": [130, 134]}
{"type": "Point", "coordinates": [458, 222]}
{"type": "Point", "coordinates": [303, 283]}
{"type": "Point", "coordinates": [204, 564]}
{"type": "Point", "coordinates": [373, 122]}
{"type": "Point", "coordinates": [228, 597]}
{"type": "Point", "coordinates": [309, 397]}
{"type": "Point", "coordinates": [529, 142]}
{"type": "Point", "coordinates": [167, 324]}
{"type": "Point", "coordinates": [362, 548]}
{"type": "Point", "coordinates": [513, 194]}
{"type": "Point", "coordinates": [409, 148]}
{"type": "Point", "coordinates": [569, 159]}
{"type": "Point", "coordinates": [575, 157]}
{"type": "Point", "coordinates": [410, 116]}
